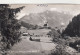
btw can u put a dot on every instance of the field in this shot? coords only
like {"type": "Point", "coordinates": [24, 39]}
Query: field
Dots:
{"type": "Point", "coordinates": [27, 47]}
{"type": "Point", "coordinates": [44, 47]}
{"type": "Point", "coordinates": [39, 31]}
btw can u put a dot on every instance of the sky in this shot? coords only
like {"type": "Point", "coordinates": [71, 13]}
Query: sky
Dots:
{"type": "Point", "coordinates": [37, 8]}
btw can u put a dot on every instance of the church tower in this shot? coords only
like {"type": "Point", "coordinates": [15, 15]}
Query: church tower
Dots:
{"type": "Point", "coordinates": [45, 24]}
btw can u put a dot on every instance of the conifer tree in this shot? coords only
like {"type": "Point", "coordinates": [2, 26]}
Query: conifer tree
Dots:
{"type": "Point", "coordinates": [9, 26]}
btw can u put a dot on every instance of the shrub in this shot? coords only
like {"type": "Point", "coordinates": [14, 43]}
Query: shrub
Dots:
{"type": "Point", "coordinates": [60, 50]}
{"type": "Point", "coordinates": [74, 44]}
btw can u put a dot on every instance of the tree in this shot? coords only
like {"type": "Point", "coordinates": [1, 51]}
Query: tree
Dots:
{"type": "Point", "coordinates": [73, 28]}
{"type": "Point", "coordinates": [60, 50]}
{"type": "Point", "coordinates": [54, 34]}
{"type": "Point", "coordinates": [9, 26]}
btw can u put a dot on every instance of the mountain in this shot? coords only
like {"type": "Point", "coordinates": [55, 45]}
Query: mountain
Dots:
{"type": "Point", "coordinates": [54, 18]}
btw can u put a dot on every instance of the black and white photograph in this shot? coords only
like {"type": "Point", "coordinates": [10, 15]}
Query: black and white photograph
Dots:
{"type": "Point", "coordinates": [39, 29]}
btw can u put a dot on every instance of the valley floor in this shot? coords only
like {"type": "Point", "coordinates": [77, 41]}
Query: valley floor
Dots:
{"type": "Point", "coordinates": [44, 47]}
{"type": "Point", "coordinates": [28, 47]}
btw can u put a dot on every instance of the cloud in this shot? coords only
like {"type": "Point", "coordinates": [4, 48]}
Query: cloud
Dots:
{"type": "Point", "coordinates": [20, 15]}
{"type": "Point", "coordinates": [53, 9]}
{"type": "Point", "coordinates": [62, 23]}
{"type": "Point", "coordinates": [27, 13]}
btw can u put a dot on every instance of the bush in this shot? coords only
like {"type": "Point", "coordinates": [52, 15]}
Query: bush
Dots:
{"type": "Point", "coordinates": [54, 33]}
{"type": "Point", "coordinates": [60, 50]}
{"type": "Point", "coordinates": [74, 44]}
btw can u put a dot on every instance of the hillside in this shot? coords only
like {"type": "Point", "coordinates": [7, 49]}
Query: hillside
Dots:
{"type": "Point", "coordinates": [53, 18]}
{"type": "Point", "coordinates": [73, 28]}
